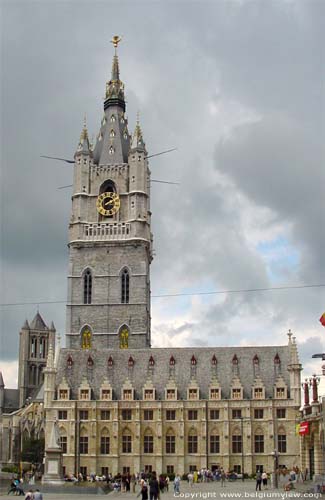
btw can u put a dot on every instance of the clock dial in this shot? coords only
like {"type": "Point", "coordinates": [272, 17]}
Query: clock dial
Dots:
{"type": "Point", "coordinates": [108, 204]}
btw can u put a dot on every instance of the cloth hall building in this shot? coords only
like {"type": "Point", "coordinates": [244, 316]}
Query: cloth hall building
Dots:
{"type": "Point", "coordinates": [112, 402]}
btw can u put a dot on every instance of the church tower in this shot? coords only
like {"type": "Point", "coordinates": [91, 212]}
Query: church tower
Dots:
{"type": "Point", "coordinates": [34, 340]}
{"type": "Point", "coordinates": [110, 242]}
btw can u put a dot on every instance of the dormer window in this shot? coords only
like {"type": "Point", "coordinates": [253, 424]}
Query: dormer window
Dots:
{"type": "Point", "coordinates": [277, 360]}
{"type": "Point", "coordinates": [106, 394]}
{"type": "Point", "coordinates": [84, 394]}
{"type": "Point", "coordinates": [235, 360]}
{"type": "Point", "coordinates": [280, 392]}
{"type": "Point", "coordinates": [111, 150]}
{"type": "Point", "coordinates": [256, 361]}
{"type": "Point", "coordinates": [258, 393]}
{"type": "Point", "coordinates": [90, 362]}
{"type": "Point", "coordinates": [214, 360]}
{"type": "Point", "coordinates": [171, 394]}
{"type": "Point", "coordinates": [63, 394]}
{"type": "Point", "coordinates": [149, 394]}
{"type": "Point", "coordinates": [127, 394]}
{"type": "Point", "coordinates": [193, 393]}
{"type": "Point", "coordinates": [112, 133]}
{"type": "Point", "coordinates": [110, 362]}
{"type": "Point", "coordinates": [193, 360]}
{"type": "Point", "coordinates": [151, 361]}
{"type": "Point", "coordinates": [236, 393]}
{"type": "Point", "coordinates": [130, 362]}
{"type": "Point", "coordinates": [125, 135]}
{"type": "Point", "coordinates": [69, 362]}
{"type": "Point", "coordinates": [113, 118]}
{"type": "Point", "coordinates": [214, 393]}
{"type": "Point", "coordinates": [172, 361]}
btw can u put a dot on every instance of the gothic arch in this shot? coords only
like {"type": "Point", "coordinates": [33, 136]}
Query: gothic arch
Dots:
{"type": "Point", "coordinates": [104, 431]}
{"type": "Point", "coordinates": [170, 432]}
{"type": "Point", "coordinates": [62, 431]}
{"type": "Point", "coordinates": [125, 284]}
{"type": "Point", "coordinates": [126, 432]}
{"type": "Point", "coordinates": [83, 431]}
{"type": "Point", "coordinates": [86, 337]}
{"type": "Point", "coordinates": [236, 431]}
{"type": "Point", "coordinates": [148, 432]}
{"type": "Point", "coordinates": [87, 283]}
{"type": "Point", "coordinates": [124, 336]}
{"type": "Point", "coordinates": [107, 187]}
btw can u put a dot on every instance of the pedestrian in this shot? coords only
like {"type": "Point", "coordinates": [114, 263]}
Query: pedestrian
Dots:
{"type": "Point", "coordinates": [264, 480]}
{"type": "Point", "coordinates": [154, 487]}
{"type": "Point", "coordinates": [143, 490]}
{"type": "Point", "coordinates": [167, 482]}
{"type": "Point", "coordinates": [190, 479]}
{"type": "Point", "coordinates": [38, 495]}
{"type": "Point", "coordinates": [29, 495]}
{"type": "Point", "coordinates": [177, 483]}
{"type": "Point", "coordinates": [12, 488]}
{"type": "Point", "coordinates": [223, 478]}
{"type": "Point", "coordinates": [258, 480]}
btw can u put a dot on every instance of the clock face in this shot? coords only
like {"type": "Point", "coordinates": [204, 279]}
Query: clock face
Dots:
{"type": "Point", "coordinates": [108, 204]}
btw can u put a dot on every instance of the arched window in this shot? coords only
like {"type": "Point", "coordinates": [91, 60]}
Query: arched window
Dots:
{"type": "Point", "coordinates": [125, 287]}
{"type": "Point", "coordinates": [107, 187]}
{"type": "Point", "coordinates": [88, 285]}
{"type": "Point", "coordinates": [86, 338]}
{"type": "Point", "coordinates": [124, 337]}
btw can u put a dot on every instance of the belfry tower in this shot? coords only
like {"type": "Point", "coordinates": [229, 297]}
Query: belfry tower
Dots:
{"type": "Point", "coordinates": [110, 242]}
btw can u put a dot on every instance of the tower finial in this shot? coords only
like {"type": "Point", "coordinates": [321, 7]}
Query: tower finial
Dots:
{"type": "Point", "coordinates": [115, 41]}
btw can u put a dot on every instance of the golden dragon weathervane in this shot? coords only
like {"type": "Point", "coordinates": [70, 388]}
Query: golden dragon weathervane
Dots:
{"type": "Point", "coordinates": [116, 40]}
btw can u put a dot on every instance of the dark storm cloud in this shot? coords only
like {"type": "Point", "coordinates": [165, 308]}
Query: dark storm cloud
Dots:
{"type": "Point", "coordinates": [236, 86]}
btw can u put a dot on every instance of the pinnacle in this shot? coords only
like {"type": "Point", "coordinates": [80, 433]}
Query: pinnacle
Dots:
{"type": "Point", "coordinates": [38, 323]}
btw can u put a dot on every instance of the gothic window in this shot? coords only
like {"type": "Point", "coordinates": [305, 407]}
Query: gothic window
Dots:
{"type": "Point", "coordinates": [86, 338]}
{"type": "Point", "coordinates": [87, 278]}
{"type": "Point", "coordinates": [33, 347]}
{"type": "Point", "coordinates": [256, 361]}
{"type": "Point", "coordinates": [111, 150]}
{"type": "Point", "coordinates": [214, 360]}
{"type": "Point", "coordinates": [126, 443]}
{"type": "Point", "coordinates": [124, 337]}
{"type": "Point", "coordinates": [193, 360]}
{"type": "Point", "coordinates": [69, 362]}
{"type": "Point", "coordinates": [125, 287]}
{"type": "Point", "coordinates": [214, 443]}
{"type": "Point", "coordinates": [90, 362]}
{"type": "Point", "coordinates": [64, 443]}
{"type": "Point", "coordinates": [148, 443]}
{"type": "Point", "coordinates": [107, 187]}
{"type": "Point", "coordinates": [110, 362]}
{"type": "Point", "coordinates": [151, 361]}
{"type": "Point", "coordinates": [112, 133]}
{"type": "Point", "coordinates": [172, 361]}
{"type": "Point", "coordinates": [192, 443]}
{"type": "Point", "coordinates": [104, 442]}
{"type": "Point", "coordinates": [130, 362]}
{"type": "Point", "coordinates": [113, 118]}
{"type": "Point", "coordinates": [277, 360]}
{"type": "Point", "coordinates": [237, 443]}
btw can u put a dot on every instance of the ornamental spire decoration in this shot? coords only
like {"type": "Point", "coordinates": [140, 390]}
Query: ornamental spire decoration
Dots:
{"type": "Point", "coordinates": [114, 87]}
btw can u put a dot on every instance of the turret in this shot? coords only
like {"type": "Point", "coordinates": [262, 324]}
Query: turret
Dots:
{"type": "Point", "coordinates": [294, 368]}
{"type": "Point", "coordinates": [49, 378]}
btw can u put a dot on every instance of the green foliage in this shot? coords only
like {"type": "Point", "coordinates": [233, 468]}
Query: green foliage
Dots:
{"type": "Point", "coordinates": [33, 450]}
{"type": "Point", "coordinates": [11, 468]}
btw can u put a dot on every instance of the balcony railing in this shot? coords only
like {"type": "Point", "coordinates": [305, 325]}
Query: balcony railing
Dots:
{"type": "Point", "coordinates": [107, 231]}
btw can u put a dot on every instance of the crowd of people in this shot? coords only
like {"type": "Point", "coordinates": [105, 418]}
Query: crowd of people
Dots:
{"type": "Point", "coordinates": [16, 488]}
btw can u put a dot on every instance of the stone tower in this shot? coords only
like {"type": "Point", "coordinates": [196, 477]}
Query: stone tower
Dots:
{"type": "Point", "coordinates": [110, 242]}
{"type": "Point", "coordinates": [34, 340]}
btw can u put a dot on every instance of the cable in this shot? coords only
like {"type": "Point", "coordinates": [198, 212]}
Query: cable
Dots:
{"type": "Point", "coordinates": [216, 292]}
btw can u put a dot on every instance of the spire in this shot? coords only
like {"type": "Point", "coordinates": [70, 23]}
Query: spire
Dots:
{"type": "Point", "coordinates": [137, 139]}
{"type": "Point", "coordinates": [2, 384]}
{"type": "Point", "coordinates": [84, 144]}
{"type": "Point", "coordinates": [113, 141]}
{"type": "Point", "coordinates": [114, 87]}
{"type": "Point", "coordinates": [25, 325]}
{"type": "Point", "coordinates": [50, 357]}
{"type": "Point", "coordinates": [52, 327]}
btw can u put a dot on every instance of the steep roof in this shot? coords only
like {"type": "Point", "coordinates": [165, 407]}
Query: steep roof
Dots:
{"type": "Point", "coordinates": [182, 372]}
{"type": "Point", "coordinates": [38, 323]}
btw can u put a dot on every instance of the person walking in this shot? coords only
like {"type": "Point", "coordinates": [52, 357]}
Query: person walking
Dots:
{"type": "Point", "coordinates": [190, 479]}
{"type": "Point", "coordinates": [177, 482]}
{"type": "Point", "coordinates": [258, 480]}
{"type": "Point", "coordinates": [264, 480]}
{"type": "Point", "coordinates": [154, 487]}
{"type": "Point", "coordinates": [38, 495]}
{"type": "Point", "coordinates": [143, 491]}
{"type": "Point", "coordinates": [223, 478]}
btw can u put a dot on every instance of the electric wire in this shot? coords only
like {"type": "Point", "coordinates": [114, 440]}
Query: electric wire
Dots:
{"type": "Point", "coordinates": [189, 294]}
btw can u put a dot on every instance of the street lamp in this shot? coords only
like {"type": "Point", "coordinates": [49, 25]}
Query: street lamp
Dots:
{"type": "Point", "coordinates": [275, 455]}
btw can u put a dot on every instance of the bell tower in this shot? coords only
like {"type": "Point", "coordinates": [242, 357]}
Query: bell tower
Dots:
{"type": "Point", "coordinates": [110, 241]}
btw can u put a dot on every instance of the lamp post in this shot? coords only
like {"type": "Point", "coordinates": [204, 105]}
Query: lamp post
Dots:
{"type": "Point", "coordinates": [275, 455]}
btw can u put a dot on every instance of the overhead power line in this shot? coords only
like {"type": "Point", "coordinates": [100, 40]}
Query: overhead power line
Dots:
{"type": "Point", "coordinates": [190, 294]}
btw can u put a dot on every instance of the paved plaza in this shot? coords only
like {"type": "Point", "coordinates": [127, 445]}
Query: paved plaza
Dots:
{"type": "Point", "coordinates": [202, 491]}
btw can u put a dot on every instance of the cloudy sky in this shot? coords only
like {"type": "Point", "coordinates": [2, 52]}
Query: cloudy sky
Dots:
{"type": "Point", "coordinates": [238, 87]}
